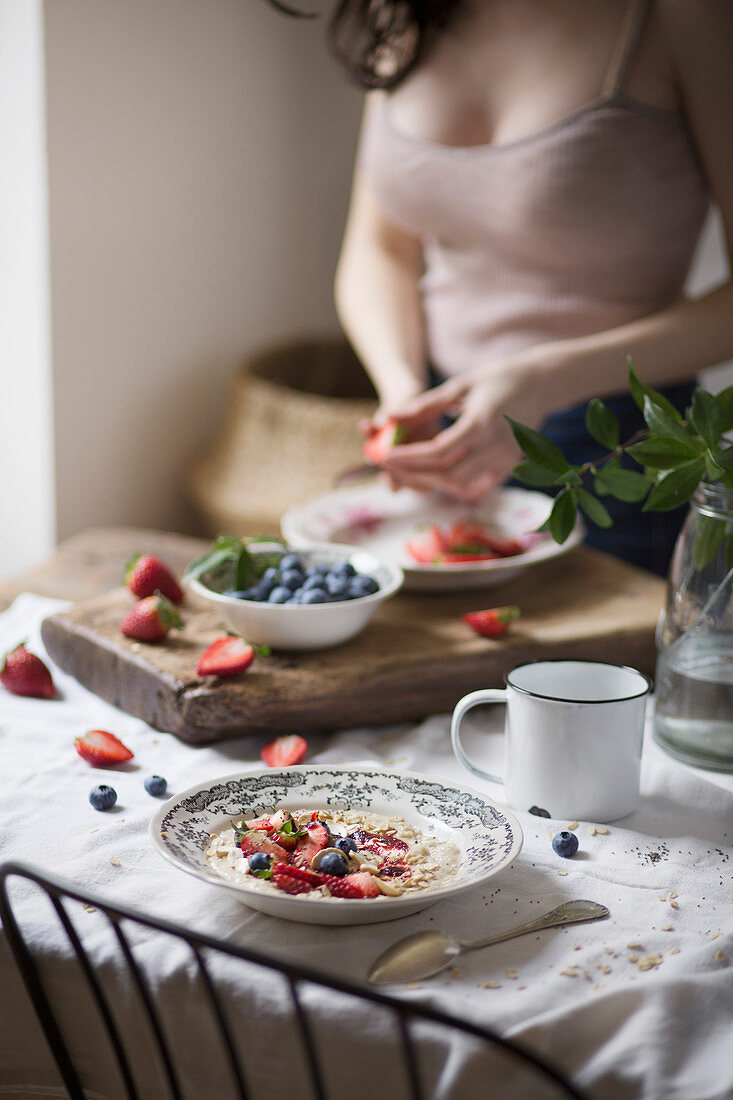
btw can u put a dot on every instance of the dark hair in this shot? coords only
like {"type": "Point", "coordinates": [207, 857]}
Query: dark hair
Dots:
{"type": "Point", "coordinates": [380, 41]}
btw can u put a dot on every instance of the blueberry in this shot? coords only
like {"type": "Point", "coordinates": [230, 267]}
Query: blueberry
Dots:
{"type": "Point", "coordinates": [362, 586]}
{"type": "Point", "coordinates": [239, 593]}
{"type": "Point", "coordinates": [258, 861]}
{"type": "Point", "coordinates": [290, 561]}
{"type": "Point", "coordinates": [291, 578]}
{"type": "Point", "coordinates": [103, 797]}
{"type": "Point", "coordinates": [337, 586]}
{"type": "Point", "coordinates": [155, 785]}
{"type": "Point", "coordinates": [279, 595]}
{"type": "Point", "coordinates": [314, 595]}
{"type": "Point", "coordinates": [315, 581]}
{"type": "Point", "coordinates": [334, 863]}
{"type": "Point", "coordinates": [345, 844]}
{"type": "Point", "coordinates": [343, 569]}
{"type": "Point", "coordinates": [565, 844]}
{"type": "Point", "coordinates": [538, 811]}
{"type": "Point", "coordinates": [317, 570]}
{"type": "Point", "coordinates": [264, 587]}
{"type": "Point", "coordinates": [271, 574]}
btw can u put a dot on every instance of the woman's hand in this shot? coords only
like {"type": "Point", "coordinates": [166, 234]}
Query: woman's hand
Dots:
{"type": "Point", "coordinates": [477, 452]}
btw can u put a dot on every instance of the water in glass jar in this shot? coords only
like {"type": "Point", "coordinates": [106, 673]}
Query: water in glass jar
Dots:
{"type": "Point", "coordinates": [694, 704]}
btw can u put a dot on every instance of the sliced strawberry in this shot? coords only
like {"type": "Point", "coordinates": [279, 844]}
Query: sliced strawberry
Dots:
{"type": "Point", "coordinates": [493, 622]}
{"type": "Point", "coordinates": [318, 838]}
{"type": "Point", "coordinates": [505, 548]}
{"type": "Point", "coordinates": [23, 673]}
{"type": "Point", "coordinates": [381, 441]}
{"type": "Point", "coordinates": [428, 545]}
{"type": "Point", "coordinates": [340, 888]}
{"type": "Point", "coordinates": [258, 841]}
{"type": "Point", "coordinates": [261, 823]}
{"type": "Point", "coordinates": [284, 751]}
{"type": "Point", "coordinates": [363, 883]}
{"type": "Point", "coordinates": [151, 619]}
{"type": "Point", "coordinates": [452, 557]}
{"type": "Point", "coordinates": [295, 880]}
{"type": "Point", "coordinates": [227, 656]}
{"type": "Point", "coordinates": [145, 575]}
{"type": "Point", "coordinates": [101, 748]}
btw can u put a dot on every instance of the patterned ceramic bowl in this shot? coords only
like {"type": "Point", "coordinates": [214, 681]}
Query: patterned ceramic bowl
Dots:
{"type": "Point", "coordinates": [487, 836]}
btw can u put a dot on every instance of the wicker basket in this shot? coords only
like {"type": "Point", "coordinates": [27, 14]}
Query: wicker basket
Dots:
{"type": "Point", "coordinates": [290, 429]}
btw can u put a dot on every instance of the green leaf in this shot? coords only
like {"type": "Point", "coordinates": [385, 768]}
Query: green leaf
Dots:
{"type": "Point", "coordinates": [724, 401]}
{"type": "Point", "coordinates": [639, 392]}
{"type": "Point", "coordinates": [705, 416]}
{"type": "Point", "coordinates": [663, 425]}
{"type": "Point", "coordinates": [562, 517]}
{"type": "Point", "coordinates": [599, 488]}
{"type": "Point", "coordinates": [712, 469]}
{"type": "Point", "coordinates": [659, 454]}
{"type": "Point", "coordinates": [601, 424]}
{"type": "Point", "coordinates": [225, 549]}
{"type": "Point", "coordinates": [594, 509]}
{"type": "Point", "coordinates": [245, 573]}
{"type": "Point", "coordinates": [676, 487]}
{"type": "Point", "coordinates": [709, 533]}
{"type": "Point", "coordinates": [531, 474]}
{"type": "Point", "coordinates": [628, 485]}
{"type": "Point", "coordinates": [725, 458]}
{"type": "Point", "coordinates": [543, 452]}
{"type": "Point", "coordinates": [570, 477]}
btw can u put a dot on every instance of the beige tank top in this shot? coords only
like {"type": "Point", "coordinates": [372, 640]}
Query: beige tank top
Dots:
{"type": "Point", "coordinates": [588, 223]}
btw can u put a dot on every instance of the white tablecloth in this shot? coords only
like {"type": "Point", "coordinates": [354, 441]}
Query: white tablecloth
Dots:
{"type": "Point", "coordinates": [638, 1006]}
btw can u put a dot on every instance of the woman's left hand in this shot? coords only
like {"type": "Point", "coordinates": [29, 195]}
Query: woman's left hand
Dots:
{"type": "Point", "coordinates": [477, 452]}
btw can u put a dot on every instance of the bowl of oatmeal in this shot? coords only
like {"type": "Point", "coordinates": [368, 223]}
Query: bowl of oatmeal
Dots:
{"type": "Point", "coordinates": [337, 844]}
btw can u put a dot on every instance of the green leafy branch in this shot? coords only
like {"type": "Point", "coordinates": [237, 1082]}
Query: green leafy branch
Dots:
{"type": "Point", "coordinates": [229, 564]}
{"type": "Point", "coordinates": [674, 453]}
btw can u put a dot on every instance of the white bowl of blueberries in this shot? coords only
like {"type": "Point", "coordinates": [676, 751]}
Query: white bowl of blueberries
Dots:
{"type": "Point", "coordinates": [304, 599]}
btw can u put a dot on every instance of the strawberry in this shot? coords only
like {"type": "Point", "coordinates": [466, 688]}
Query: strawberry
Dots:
{"type": "Point", "coordinates": [258, 841]}
{"type": "Point", "coordinates": [227, 656]}
{"type": "Point", "coordinates": [284, 751]}
{"type": "Point", "coordinates": [145, 575]}
{"type": "Point", "coordinates": [294, 880]}
{"type": "Point", "coordinates": [317, 838]}
{"type": "Point", "coordinates": [151, 619]}
{"type": "Point", "coordinates": [24, 673]}
{"type": "Point", "coordinates": [101, 748]}
{"type": "Point", "coordinates": [363, 883]}
{"type": "Point", "coordinates": [340, 888]}
{"type": "Point", "coordinates": [492, 622]}
{"type": "Point", "coordinates": [381, 440]}
{"type": "Point", "coordinates": [427, 546]}
{"type": "Point", "coordinates": [451, 557]}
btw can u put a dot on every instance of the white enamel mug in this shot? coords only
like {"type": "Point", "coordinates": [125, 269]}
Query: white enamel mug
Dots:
{"type": "Point", "coordinates": [573, 737]}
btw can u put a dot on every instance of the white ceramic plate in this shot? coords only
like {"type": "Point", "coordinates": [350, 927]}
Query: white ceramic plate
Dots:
{"type": "Point", "coordinates": [488, 836]}
{"type": "Point", "coordinates": [374, 518]}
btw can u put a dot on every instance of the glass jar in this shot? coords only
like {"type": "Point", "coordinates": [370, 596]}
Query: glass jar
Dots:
{"type": "Point", "coordinates": [694, 679]}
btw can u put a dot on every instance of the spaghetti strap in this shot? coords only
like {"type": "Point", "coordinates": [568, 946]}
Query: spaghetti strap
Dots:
{"type": "Point", "coordinates": [623, 51]}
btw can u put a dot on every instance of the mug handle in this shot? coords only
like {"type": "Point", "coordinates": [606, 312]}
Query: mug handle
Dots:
{"type": "Point", "coordinates": [468, 702]}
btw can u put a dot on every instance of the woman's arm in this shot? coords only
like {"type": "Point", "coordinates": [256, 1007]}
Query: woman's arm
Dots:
{"type": "Point", "coordinates": [478, 451]}
{"type": "Point", "coordinates": [377, 297]}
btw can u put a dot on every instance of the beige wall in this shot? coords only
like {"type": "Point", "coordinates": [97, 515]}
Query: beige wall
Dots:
{"type": "Point", "coordinates": [200, 154]}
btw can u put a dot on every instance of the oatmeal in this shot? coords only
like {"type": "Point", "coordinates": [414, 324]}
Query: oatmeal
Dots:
{"type": "Point", "coordinates": [331, 854]}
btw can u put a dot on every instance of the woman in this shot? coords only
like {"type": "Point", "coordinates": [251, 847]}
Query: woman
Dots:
{"type": "Point", "coordinates": [531, 182]}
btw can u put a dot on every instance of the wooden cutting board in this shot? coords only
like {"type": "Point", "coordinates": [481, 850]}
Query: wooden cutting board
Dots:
{"type": "Point", "coordinates": [415, 658]}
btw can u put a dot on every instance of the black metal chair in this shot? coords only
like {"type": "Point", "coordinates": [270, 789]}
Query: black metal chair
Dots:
{"type": "Point", "coordinates": [411, 1057]}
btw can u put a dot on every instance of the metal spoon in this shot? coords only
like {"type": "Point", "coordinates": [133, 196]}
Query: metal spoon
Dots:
{"type": "Point", "coordinates": [426, 953]}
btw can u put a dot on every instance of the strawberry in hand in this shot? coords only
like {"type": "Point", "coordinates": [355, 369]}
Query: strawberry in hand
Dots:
{"type": "Point", "coordinates": [227, 656]}
{"type": "Point", "coordinates": [381, 440]}
{"type": "Point", "coordinates": [24, 673]}
{"type": "Point", "coordinates": [493, 622]}
{"type": "Point", "coordinates": [145, 575]}
{"type": "Point", "coordinates": [101, 748]}
{"type": "Point", "coordinates": [151, 619]}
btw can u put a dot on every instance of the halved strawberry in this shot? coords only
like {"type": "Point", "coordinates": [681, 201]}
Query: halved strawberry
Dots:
{"type": "Point", "coordinates": [101, 748]}
{"type": "Point", "coordinates": [226, 656]}
{"type": "Point", "coordinates": [284, 751]}
{"type": "Point", "coordinates": [493, 622]}
{"type": "Point", "coordinates": [257, 841]}
{"type": "Point", "coordinates": [381, 440]}
{"type": "Point", "coordinates": [363, 883]}
{"type": "Point", "coordinates": [450, 557]}
{"type": "Point", "coordinates": [427, 546]}
{"type": "Point", "coordinates": [145, 575]}
{"type": "Point", "coordinates": [294, 880]}
{"type": "Point", "coordinates": [340, 888]}
{"type": "Point", "coordinates": [317, 838]}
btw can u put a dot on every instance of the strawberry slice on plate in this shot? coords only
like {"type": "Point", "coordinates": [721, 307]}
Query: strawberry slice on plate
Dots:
{"type": "Point", "coordinates": [284, 751]}
{"type": "Point", "coordinates": [362, 883]}
{"type": "Point", "coordinates": [101, 748]}
{"type": "Point", "coordinates": [428, 546]}
{"type": "Point", "coordinates": [227, 656]}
